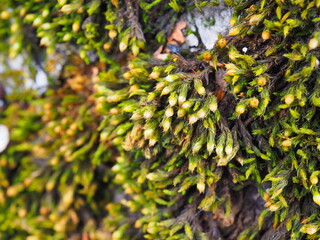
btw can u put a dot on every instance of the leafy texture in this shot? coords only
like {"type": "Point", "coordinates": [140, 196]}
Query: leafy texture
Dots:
{"type": "Point", "coordinates": [219, 144]}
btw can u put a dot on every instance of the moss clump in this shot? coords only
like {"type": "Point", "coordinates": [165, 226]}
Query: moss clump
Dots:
{"type": "Point", "coordinates": [222, 144]}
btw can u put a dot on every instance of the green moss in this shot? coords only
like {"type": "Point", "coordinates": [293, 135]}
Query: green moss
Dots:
{"type": "Point", "coordinates": [220, 145]}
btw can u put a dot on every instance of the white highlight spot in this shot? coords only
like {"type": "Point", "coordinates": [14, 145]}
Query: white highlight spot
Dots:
{"type": "Point", "coordinates": [4, 137]}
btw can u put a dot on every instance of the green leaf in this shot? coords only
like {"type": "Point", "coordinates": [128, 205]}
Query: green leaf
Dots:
{"type": "Point", "coordinates": [293, 56]}
{"type": "Point", "coordinates": [278, 12]}
{"type": "Point", "coordinates": [295, 114]}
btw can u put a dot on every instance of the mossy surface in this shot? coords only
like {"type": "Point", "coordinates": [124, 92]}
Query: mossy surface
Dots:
{"type": "Point", "coordinates": [218, 144]}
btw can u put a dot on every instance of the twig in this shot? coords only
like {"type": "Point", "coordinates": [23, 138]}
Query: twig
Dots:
{"type": "Point", "coordinates": [132, 11]}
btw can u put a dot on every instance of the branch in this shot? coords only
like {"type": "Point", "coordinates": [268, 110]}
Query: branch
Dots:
{"type": "Point", "coordinates": [132, 11]}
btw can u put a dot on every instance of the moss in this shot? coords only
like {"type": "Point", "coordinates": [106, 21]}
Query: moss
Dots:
{"type": "Point", "coordinates": [218, 145]}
